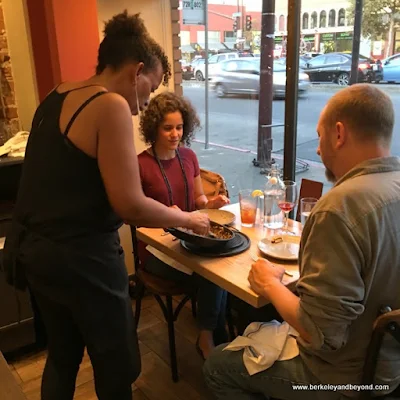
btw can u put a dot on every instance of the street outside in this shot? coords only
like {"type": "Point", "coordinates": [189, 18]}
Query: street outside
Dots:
{"type": "Point", "coordinates": [233, 120]}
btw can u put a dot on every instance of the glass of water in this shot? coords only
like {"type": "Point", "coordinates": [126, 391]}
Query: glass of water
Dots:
{"type": "Point", "coordinates": [306, 205]}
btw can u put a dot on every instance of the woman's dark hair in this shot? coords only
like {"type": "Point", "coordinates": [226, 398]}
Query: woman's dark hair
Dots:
{"type": "Point", "coordinates": [125, 40]}
{"type": "Point", "coordinates": [163, 104]}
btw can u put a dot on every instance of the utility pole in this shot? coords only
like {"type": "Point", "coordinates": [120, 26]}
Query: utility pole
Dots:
{"type": "Point", "coordinates": [292, 83]}
{"type": "Point", "coordinates": [355, 55]}
{"type": "Point", "coordinates": [264, 140]}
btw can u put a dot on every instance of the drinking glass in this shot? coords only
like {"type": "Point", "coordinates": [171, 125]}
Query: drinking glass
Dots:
{"type": "Point", "coordinates": [248, 207]}
{"type": "Point", "coordinates": [306, 205]}
{"type": "Point", "coordinates": [287, 200]}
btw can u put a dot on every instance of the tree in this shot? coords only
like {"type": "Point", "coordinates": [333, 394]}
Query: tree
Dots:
{"type": "Point", "coordinates": [379, 19]}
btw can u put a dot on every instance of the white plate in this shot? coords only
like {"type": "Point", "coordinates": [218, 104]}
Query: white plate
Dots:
{"type": "Point", "coordinates": [222, 217]}
{"type": "Point", "coordinates": [288, 249]}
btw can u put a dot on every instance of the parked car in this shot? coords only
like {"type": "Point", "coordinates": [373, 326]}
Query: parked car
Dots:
{"type": "Point", "coordinates": [302, 61]}
{"type": "Point", "coordinates": [242, 76]}
{"type": "Point", "coordinates": [199, 72]}
{"type": "Point", "coordinates": [391, 69]}
{"type": "Point", "coordinates": [336, 67]}
{"type": "Point", "coordinates": [311, 54]}
{"type": "Point", "coordinates": [187, 70]}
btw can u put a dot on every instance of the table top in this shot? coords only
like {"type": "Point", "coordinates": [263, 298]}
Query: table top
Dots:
{"type": "Point", "coordinates": [230, 273]}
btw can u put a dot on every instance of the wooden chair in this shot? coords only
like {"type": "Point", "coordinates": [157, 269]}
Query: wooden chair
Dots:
{"type": "Point", "coordinates": [213, 184]}
{"type": "Point", "coordinates": [387, 322]}
{"type": "Point", "coordinates": [309, 188]}
{"type": "Point", "coordinates": [159, 288]}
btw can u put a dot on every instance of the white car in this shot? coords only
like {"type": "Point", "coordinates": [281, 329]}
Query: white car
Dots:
{"type": "Point", "coordinates": [243, 77]}
{"type": "Point", "coordinates": [213, 61]}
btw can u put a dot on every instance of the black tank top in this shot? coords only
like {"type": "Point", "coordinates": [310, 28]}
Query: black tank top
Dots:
{"type": "Point", "coordinates": [61, 194]}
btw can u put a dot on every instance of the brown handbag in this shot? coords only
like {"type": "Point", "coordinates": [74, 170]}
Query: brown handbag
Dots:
{"type": "Point", "coordinates": [213, 184]}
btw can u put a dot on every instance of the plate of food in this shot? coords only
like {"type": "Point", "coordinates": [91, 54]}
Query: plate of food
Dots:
{"type": "Point", "coordinates": [221, 217]}
{"type": "Point", "coordinates": [217, 236]}
{"type": "Point", "coordinates": [283, 247]}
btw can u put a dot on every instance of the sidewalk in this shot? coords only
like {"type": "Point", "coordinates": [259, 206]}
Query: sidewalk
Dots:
{"type": "Point", "coordinates": [237, 168]}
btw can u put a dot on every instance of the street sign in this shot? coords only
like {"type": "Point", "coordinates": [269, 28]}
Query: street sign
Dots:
{"type": "Point", "coordinates": [193, 12]}
{"type": "Point", "coordinates": [236, 14]}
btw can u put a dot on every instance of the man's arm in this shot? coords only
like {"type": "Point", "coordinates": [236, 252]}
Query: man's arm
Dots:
{"type": "Point", "coordinates": [331, 289]}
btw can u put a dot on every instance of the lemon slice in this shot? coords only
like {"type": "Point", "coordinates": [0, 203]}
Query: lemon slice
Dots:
{"type": "Point", "coordinates": [273, 180]}
{"type": "Point", "coordinates": [257, 193]}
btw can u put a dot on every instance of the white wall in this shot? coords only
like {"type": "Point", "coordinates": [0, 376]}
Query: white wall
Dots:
{"type": "Point", "coordinates": [157, 17]}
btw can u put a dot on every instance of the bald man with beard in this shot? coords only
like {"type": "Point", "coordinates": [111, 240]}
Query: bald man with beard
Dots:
{"type": "Point", "coordinates": [349, 264]}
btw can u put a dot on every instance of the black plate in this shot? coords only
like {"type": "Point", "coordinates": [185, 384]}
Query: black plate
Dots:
{"type": "Point", "coordinates": [239, 244]}
{"type": "Point", "coordinates": [201, 241]}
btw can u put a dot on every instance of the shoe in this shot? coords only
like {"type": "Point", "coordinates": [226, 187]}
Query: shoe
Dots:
{"type": "Point", "coordinates": [199, 349]}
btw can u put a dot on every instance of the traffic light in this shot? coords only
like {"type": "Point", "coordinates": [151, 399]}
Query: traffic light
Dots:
{"type": "Point", "coordinates": [235, 25]}
{"type": "Point", "coordinates": [248, 22]}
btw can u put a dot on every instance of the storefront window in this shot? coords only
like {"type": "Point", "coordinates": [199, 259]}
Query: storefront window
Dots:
{"type": "Point", "coordinates": [332, 18]}
{"type": "Point", "coordinates": [322, 19]}
{"type": "Point", "coordinates": [314, 20]}
{"type": "Point", "coordinates": [305, 21]}
{"type": "Point", "coordinates": [342, 17]}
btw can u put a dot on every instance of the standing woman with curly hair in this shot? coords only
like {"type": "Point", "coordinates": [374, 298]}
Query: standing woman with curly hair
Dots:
{"type": "Point", "coordinates": [170, 173]}
{"type": "Point", "coordinates": [80, 180]}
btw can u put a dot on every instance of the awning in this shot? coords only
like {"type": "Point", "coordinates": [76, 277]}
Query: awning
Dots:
{"type": "Point", "coordinates": [187, 48]}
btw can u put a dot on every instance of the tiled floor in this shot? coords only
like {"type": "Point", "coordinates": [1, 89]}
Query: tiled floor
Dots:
{"type": "Point", "coordinates": [155, 381]}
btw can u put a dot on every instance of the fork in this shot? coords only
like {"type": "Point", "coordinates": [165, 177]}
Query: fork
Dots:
{"type": "Point", "coordinates": [255, 258]}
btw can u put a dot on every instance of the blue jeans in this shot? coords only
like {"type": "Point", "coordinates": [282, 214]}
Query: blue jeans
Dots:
{"type": "Point", "coordinates": [227, 377]}
{"type": "Point", "coordinates": [211, 299]}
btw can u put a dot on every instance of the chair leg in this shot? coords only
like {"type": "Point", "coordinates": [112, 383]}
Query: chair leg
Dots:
{"type": "Point", "coordinates": [171, 337]}
{"type": "Point", "coordinates": [194, 306]}
{"type": "Point", "coordinates": [140, 293]}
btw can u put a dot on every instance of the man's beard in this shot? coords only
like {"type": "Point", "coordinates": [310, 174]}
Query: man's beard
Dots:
{"type": "Point", "coordinates": [329, 175]}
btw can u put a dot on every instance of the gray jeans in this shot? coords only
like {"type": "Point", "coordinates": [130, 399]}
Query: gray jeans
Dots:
{"type": "Point", "coordinates": [227, 377]}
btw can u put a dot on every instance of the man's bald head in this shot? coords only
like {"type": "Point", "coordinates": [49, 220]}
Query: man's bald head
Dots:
{"type": "Point", "coordinates": [365, 110]}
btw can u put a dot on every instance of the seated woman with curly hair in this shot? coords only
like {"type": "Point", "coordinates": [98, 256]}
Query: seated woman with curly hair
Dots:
{"type": "Point", "coordinates": [170, 173]}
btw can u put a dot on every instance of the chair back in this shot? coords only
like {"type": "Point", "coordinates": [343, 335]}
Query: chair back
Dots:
{"type": "Point", "coordinates": [213, 184]}
{"type": "Point", "coordinates": [387, 322]}
{"type": "Point", "coordinates": [309, 188]}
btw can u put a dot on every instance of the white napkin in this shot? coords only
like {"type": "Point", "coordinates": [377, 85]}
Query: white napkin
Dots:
{"type": "Point", "coordinates": [168, 260]}
{"type": "Point", "coordinates": [15, 147]}
{"type": "Point", "coordinates": [264, 343]}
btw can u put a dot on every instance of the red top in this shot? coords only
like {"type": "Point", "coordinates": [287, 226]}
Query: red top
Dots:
{"type": "Point", "coordinates": [154, 186]}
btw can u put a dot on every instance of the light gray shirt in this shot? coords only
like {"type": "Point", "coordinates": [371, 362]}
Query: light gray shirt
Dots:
{"type": "Point", "coordinates": [349, 269]}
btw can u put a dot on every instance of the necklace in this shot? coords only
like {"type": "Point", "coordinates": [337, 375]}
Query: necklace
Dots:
{"type": "Point", "coordinates": [185, 181]}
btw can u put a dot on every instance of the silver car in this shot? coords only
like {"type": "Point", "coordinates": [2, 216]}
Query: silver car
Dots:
{"type": "Point", "coordinates": [242, 76]}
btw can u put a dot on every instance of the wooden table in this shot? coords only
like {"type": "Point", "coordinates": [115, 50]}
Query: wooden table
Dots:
{"type": "Point", "coordinates": [230, 273]}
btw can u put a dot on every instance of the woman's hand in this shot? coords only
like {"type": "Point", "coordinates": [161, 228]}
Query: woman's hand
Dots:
{"type": "Point", "coordinates": [199, 223]}
{"type": "Point", "coordinates": [218, 202]}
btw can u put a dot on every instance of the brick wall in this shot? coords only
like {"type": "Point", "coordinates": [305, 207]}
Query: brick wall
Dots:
{"type": "Point", "coordinates": [176, 44]}
{"type": "Point", "coordinates": [9, 122]}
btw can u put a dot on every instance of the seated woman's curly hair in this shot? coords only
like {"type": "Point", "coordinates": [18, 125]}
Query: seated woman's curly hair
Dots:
{"type": "Point", "coordinates": [163, 104]}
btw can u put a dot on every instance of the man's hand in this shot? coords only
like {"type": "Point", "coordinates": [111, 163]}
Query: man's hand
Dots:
{"type": "Point", "coordinates": [263, 274]}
